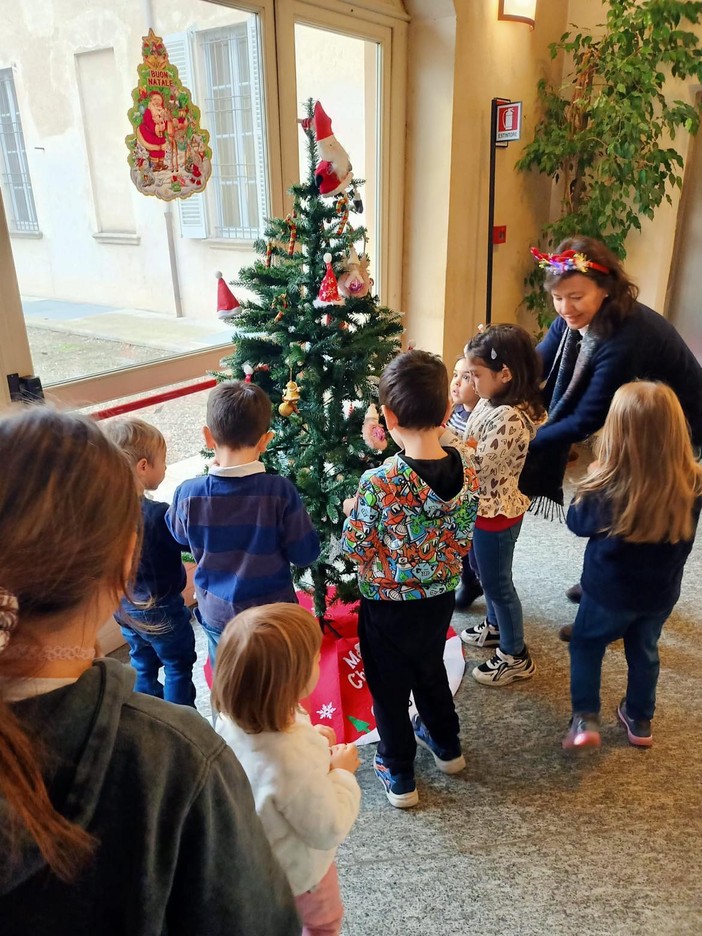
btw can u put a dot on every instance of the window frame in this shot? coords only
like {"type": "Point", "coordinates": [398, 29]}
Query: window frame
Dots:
{"type": "Point", "coordinates": [389, 30]}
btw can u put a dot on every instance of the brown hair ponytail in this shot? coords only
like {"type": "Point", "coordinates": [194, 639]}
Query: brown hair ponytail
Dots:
{"type": "Point", "coordinates": [64, 846]}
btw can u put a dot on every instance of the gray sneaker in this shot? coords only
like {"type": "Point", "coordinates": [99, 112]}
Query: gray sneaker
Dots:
{"type": "Point", "coordinates": [584, 732]}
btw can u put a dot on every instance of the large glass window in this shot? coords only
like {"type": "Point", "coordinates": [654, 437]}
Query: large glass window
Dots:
{"type": "Point", "coordinates": [343, 73]}
{"type": "Point", "coordinates": [118, 291]}
{"type": "Point", "coordinates": [117, 278]}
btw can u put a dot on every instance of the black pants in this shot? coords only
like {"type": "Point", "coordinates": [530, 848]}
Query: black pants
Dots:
{"type": "Point", "coordinates": [402, 644]}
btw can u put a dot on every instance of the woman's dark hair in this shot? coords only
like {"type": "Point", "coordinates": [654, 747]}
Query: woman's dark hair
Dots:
{"type": "Point", "coordinates": [621, 292]}
{"type": "Point", "coordinates": [511, 346]}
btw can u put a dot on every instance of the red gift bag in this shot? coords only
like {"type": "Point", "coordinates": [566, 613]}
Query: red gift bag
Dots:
{"type": "Point", "coordinates": [341, 698]}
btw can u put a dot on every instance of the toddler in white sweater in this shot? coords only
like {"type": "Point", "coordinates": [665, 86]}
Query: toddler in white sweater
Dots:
{"type": "Point", "coordinates": [302, 781]}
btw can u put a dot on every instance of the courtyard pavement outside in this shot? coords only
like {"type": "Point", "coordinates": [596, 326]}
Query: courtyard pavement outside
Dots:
{"type": "Point", "coordinates": [158, 330]}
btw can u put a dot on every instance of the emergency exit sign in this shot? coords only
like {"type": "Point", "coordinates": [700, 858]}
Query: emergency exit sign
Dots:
{"type": "Point", "coordinates": [509, 121]}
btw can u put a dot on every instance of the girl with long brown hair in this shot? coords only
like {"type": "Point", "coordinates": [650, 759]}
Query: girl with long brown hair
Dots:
{"type": "Point", "coordinates": [119, 813]}
{"type": "Point", "coordinates": [639, 506]}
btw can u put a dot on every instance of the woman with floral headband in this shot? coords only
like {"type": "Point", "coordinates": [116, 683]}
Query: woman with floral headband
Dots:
{"type": "Point", "coordinates": [601, 338]}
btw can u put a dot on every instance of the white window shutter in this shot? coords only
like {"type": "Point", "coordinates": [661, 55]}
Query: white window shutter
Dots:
{"type": "Point", "coordinates": [193, 216]}
{"type": "Point", "coordinates": [255, 73]}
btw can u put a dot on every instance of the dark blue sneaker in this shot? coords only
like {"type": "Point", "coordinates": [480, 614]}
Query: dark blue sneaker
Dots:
{"type": "Point", "coordinates": [638, 730]}
{"type": "Point", "coordinates": [400, 789]}
{"type": "Point", "coordinates": [448, 762]}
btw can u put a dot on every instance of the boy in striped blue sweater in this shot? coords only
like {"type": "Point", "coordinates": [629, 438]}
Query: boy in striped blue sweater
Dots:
{"type": "Point", "coordinates": [244, 528]}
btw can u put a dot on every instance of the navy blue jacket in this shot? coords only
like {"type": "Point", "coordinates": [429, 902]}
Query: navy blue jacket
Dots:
{"type": "Point", "coordinates": [161, 574]}
{"type": "Point", "coordinates": [622, 576]}
{"type": "Point", "coordinates": [644, 347]}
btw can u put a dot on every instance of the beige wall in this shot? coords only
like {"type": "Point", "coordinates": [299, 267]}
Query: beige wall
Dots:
{"type": "Point", "coordinates": [649, 260]}
{"type": "Point", "coordinates": [430, 103]}
{"type": "Point", "coordinates": [448, 165]}
{"type": "Point", "coordinates": [650, 252]}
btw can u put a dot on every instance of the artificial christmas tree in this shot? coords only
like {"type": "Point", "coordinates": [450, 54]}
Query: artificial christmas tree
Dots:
{"type": "Point", "coordinates": [318, 354]}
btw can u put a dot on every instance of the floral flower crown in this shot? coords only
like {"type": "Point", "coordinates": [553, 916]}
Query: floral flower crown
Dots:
{"type": "Point", "coordinates": [567, 262]}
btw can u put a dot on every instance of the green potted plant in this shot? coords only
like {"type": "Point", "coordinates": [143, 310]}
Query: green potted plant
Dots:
{"type": "Point", "coordinates": [607, 134]}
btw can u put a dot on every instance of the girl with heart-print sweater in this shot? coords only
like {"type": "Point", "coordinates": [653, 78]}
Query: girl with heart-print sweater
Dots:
{"type": "Point", "coordinates": [505, 371]}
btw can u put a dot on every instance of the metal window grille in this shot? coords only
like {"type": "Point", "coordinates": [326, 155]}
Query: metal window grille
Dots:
{"type": "Point", "coordinates": [16, 184]}
{"type": "Point", "coordinates": [233, 114]}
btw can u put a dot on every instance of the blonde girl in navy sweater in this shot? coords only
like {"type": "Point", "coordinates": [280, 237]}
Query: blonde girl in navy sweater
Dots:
{"type": "Point", "coordinates": [639, 506]}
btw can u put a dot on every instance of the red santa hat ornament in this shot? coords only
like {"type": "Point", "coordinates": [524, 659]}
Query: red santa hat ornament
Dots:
{"type": "Point", "coordinates": [227, 303]}
{"type": "Point", "coordinates": [333, 173]}
{"type": "Point", "coordinates": [329, 288]}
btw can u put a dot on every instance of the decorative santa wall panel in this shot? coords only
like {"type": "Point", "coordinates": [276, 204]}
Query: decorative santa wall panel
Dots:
{"type": "Point", "coordinates": [169, 153]}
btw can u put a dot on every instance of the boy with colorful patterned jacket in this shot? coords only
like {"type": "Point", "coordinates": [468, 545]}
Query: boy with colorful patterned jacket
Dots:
{"type": "Point", "coordinates": [408, 528]}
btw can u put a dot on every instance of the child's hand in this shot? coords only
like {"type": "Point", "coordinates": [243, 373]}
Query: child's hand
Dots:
{"type": "Point", "coordinates": [471, 443]}
{"type": "Point", "coordinates": [350, 504]}
{"type": "Point", "coordinates": [326, 732]}
{"type": "Point", "coordinates": [345, 757]}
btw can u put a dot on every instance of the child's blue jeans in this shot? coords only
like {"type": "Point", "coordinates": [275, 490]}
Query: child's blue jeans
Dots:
{"type": "Point", "coordinates": [469, 570]}
{"type": "Point", "coordinates": [213, 637]}
{"type": "Point", "coordinates": [167, 641]}
{"type": "Point", "coordinates": [494, 550]}
{"type": "Point", "coordinates": [595, 627]}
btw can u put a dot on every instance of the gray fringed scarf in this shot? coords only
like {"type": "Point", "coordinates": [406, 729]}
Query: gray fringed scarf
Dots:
{"type": "Point", "coordinates": [543, 472]}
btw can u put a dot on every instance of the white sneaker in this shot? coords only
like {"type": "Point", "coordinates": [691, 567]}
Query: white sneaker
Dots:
{"type": "Point", "coordinates": [503, 668]}
{"type": "Point", "coordinates": [481, 635]}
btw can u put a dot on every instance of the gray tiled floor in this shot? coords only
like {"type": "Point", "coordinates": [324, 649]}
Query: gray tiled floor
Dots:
{"type": "Point", "coordinates": [528, 840]}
